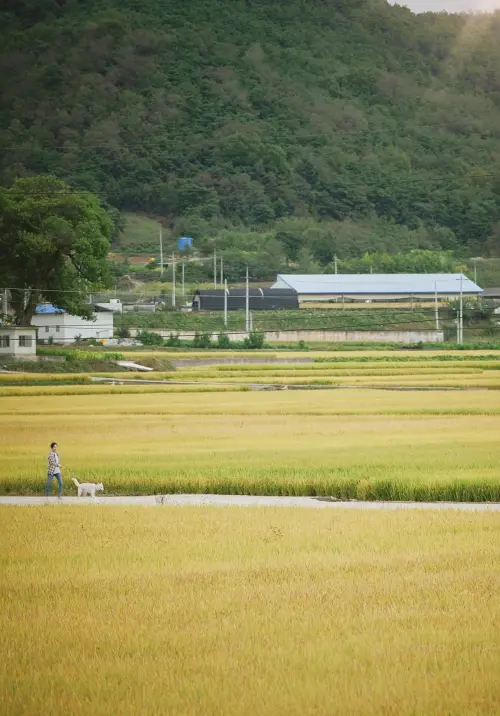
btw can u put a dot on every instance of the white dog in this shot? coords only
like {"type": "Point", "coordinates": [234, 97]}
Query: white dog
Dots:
{"type": "Point", "coordinates": [88, 488]}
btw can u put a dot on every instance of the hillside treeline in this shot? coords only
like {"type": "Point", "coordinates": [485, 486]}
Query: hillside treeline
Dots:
{"type": "Point", "coordinates": [229, 114]}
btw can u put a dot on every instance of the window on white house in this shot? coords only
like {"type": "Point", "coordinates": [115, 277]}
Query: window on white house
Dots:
{"type": "Point", "coordinates": [4, 341]}
{"type": "Point", "coordinates": [25, 341]}
{"type": "Point", "coordinates": [58, 328]}
{"type": "Point", "coordinates": [46, 329]}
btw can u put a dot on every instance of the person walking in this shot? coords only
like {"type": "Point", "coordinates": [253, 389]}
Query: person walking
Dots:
{"type": "Point", "coordinates": [54, 470]}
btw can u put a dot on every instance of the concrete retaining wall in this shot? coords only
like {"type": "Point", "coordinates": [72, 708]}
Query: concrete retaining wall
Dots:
{"type": "Point", "coordinates": [354, 336]}
{"type": "Point", "coordinates": [312, 336]}
{"type": "Point", "coordinates": [37, 359]}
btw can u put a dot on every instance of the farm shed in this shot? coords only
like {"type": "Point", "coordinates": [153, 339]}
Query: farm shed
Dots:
{"type": "Point", "coordinates": [373, 287]}
{"type": "Point", "coordinates": [493, 293]}
{"type": "Point", "coordinates": [260, 299]}
{"type": "Point", "coordinates": [17, 341]}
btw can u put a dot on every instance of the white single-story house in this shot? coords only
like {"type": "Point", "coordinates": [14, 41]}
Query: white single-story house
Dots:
{"type": "Point", "coordinates": [62, 327]}
{"type": "Point", "coordinates": [372, 287]}
{"type": "Point", "coordinates": [17, 341]}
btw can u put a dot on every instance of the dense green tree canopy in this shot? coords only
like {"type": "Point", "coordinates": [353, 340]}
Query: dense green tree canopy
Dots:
{"type": "Point", "coordinates": [53, 245]}
{"type": "Point", "coordinates": [219, 113]}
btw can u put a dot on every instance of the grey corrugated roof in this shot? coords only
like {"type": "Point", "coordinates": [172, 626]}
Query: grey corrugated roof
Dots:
{"type": "Point", "coordinates": [384, 283]}
{"type": "Point", "coordinates": [256, 292]}
{"type": "Point", "coordinates": [492, 292]}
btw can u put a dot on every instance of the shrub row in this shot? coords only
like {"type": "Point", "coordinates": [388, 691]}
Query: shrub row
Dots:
{"type": "Point", "coordinates": [201, 340]}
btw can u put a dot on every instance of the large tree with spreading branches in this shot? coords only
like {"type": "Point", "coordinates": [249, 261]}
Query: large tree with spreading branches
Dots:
{"type": "Point", "coordinates": [53, 246]}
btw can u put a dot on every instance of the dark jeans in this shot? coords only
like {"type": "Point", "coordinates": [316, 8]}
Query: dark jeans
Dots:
{"type": "Point", "coordinates": [48, 489]}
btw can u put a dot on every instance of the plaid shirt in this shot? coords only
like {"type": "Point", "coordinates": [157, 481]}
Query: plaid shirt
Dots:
{"type": "Point", "coordinates": [53, 463]}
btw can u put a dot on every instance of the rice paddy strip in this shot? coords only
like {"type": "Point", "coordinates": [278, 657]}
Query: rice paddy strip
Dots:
{"type": "Point", "coordinates": [440, 357]}
{"type": "Point", "coordinates": [268, 375]}
{"type": "Point", "coordinates": [364, 354]}
{"type": "Point", "coordinates": [355, 402]}
{"type": "Point", "coordinates": [110, 389]}
{"type": "Point", "coordinates": [353, 365]}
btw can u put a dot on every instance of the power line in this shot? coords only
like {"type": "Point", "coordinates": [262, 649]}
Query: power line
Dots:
{"type": "Point", "coordinates": [76, 192]}
{"type": "Point", "coordinates": [149, 143]}
{"type": "Point", "coordinates": [336, 311]}
{"type": "Point", "coordinates": [43, 290]}
{"type": "Point", "coordinates": [158, 142]}
{"type": "Point", "coordinates": [347, 294]}
{"type": "Point", "coordinates": [447, 180]}
{"type": "Point", "coordinates": [172, 329]}
{"type": "Point", "coordinates": [187, 335]}
{"type": "Point", "coordinates": [207, 329]}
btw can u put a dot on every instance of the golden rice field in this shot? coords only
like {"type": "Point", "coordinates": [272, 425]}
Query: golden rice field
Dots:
{"type": "Point", "coordinates": [347, 354]}
{"type": "Point", "coordinates": [464, 373]}
{"type": "Point", "coordinates": [114, 388]}
{"type": "Point", "coordinates": [363, 444]}
{"type": "Point", "coordinates": [187, 611]}
{"type": "Point", "coordinates": [237, 612]}
{"type": "Point", "coordinates": [382, 369]}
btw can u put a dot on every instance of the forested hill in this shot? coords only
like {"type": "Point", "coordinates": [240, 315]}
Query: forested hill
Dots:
{"type": "Point", "coordinates": [214, 113]}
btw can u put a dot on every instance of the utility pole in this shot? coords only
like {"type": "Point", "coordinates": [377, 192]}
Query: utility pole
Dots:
{"type": "Point", "coordinates": [247, 306]}
{"type": "Point", "coordinates": [173, 280]}
{"type": "Point", "coordinates": [475, 271]}
{"type": "Point", "coordinates": [436, 308]}
{"type": "Point", "coordinates": [5, 302]}
{"type": "Point", "coordinates": [161, 252]}
{"type": "Point", "coordinates": [183, 294]}
{"type": "Point", "coordinates": [461, 317]}
{"type": "Point", "coordinates": [335, 262]}
{"type": "Point", "coordinates": [215, 268]}
{"type": "Point", "coordinates": [221, 271]}
{"type": "Point", "coordinates": [225, 303]}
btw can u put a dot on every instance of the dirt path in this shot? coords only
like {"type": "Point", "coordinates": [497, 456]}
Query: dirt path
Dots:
{"type": "Point", "coordinates": [250, 501]}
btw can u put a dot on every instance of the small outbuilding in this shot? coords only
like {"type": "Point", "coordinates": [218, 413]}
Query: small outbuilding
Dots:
{"type": "Point", "coordinates": [185, 242]}
{"type": "Point", "coordinates": [260, 299]}
{"type": "Point", "coordinates": [17, 342]}
{"type": "Point", "coordinates": [114, 305]}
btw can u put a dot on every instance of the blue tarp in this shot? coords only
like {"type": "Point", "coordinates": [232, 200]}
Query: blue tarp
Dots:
{"type": "Point", "coordinates": [47, 308]}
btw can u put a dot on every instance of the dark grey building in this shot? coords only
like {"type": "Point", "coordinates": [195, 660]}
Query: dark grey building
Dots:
{"type": "Point", "coordinates": [260, 299]}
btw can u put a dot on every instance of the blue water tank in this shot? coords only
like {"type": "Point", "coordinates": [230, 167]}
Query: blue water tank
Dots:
{"type": "Point", "coordinates": [184, 242]}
